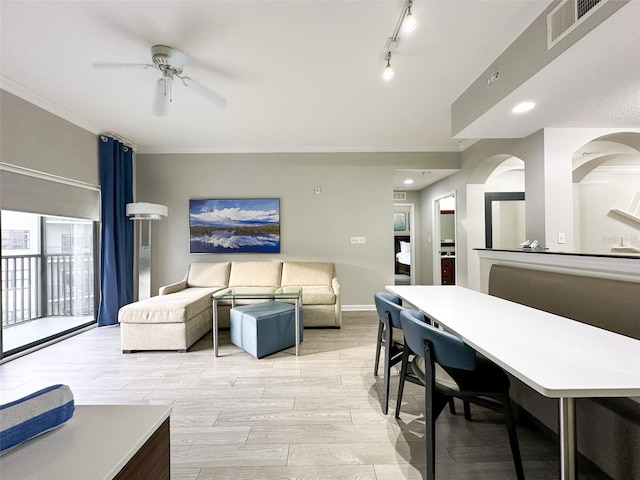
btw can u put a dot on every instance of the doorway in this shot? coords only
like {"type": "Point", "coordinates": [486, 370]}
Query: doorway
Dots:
{"type": "Point", "coordinates": [403, 244]}
{"type": "Point", "coordinates": [444, 239]}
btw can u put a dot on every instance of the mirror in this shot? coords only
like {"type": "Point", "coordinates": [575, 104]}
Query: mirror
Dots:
{"type": "Point", "coordinates": [504, 220]}
{"type": "Point", "coordinates": [447, 226]}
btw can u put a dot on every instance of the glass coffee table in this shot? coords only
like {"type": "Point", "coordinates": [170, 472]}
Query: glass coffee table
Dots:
{"type": "Point", "coordinates": [228, 294]}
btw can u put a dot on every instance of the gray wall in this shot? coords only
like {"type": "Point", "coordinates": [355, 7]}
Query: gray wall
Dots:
{"type": "Point", "coordinates": [356, 200]}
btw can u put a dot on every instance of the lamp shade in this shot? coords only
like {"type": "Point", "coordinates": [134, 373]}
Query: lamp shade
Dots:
{"type": "Point", "coordinates": [146, 211]}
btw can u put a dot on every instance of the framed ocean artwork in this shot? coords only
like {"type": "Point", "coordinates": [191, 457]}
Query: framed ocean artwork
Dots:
{"type": "Point", "coordinates": [400, 222]}
{"type": "Point", "coordinates": [234, 225]}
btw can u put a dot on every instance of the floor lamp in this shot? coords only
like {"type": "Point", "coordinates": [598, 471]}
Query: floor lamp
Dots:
{"type": "Point", "coordinates": [145, 212]}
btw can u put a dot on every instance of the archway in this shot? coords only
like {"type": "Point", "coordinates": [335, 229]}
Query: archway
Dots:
{"type": "Point", "coordinates": [606, 185]}
{"type": "Point", "coordinates": [498, 173]}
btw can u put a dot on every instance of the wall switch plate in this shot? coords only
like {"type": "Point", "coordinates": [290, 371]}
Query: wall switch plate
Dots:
{"type": "Point", "coordinates": [358, 240]}
{"type": "Point", "coordinates": [561, 238]}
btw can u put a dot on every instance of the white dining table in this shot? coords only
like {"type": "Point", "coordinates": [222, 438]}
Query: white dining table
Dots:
{"type": "Point", "coordinates": [556, 356]}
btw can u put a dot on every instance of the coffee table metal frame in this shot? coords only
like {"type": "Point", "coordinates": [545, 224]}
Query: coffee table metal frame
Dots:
{"type": "Point", "coordinates": [229, 294]}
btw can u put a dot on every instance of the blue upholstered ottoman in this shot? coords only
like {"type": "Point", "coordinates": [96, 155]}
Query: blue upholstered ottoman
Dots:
{"type": "Point", "coordinates": [264, 328]}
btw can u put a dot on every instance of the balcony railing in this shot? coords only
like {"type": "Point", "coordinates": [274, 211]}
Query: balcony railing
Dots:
{"type": "Point", "coordinates": [34, 286]}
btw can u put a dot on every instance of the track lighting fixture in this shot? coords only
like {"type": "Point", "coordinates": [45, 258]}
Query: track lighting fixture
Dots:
{"type": "Point", "coordinates": [407, 22]}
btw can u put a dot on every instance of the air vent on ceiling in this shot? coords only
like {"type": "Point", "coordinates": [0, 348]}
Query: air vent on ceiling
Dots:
{"type": "Point", "coordinates": [566, 16]}
{"type": "Point", "coordinates": [399, 195]}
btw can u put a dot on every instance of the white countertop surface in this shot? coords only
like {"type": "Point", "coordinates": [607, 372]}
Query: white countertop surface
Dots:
{"type": "Point", "coordinates": [93, 445]}
{"type": "Point", "coordinates": [554, 355]}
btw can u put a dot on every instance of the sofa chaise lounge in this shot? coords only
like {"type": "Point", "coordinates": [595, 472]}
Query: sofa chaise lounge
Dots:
{"type": "Point", "coordinates": [182, 312]}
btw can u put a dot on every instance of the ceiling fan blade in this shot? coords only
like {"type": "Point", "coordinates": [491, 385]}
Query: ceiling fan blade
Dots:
{"type": "Point", "coordinates": [162, 96]}
{"type": "Point", "coordinates": [122, 65]}
{"type": "Point", "coordinates": [206, 92]}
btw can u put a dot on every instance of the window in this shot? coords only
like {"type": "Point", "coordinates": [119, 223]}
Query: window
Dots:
{"type": "Point", "coordinates": [15, 239]}
{"type": "Point", "coordinates": [48, 277]}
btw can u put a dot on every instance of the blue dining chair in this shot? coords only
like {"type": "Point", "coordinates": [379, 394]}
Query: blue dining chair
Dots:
{"type": "Point", "coordinates": [388, 307]}
{"type": "Point", "coordinates": [390, 333]}
{"type": "Point", "coordinates": [472, 378]}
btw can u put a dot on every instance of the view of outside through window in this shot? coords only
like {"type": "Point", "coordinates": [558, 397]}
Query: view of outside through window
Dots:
{"type": "Point", "coordinates": [48, 277]}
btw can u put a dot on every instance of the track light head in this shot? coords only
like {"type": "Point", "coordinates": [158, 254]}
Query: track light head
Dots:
{"type": "Point", "coordinates": [409, 23]}
{"type": "Point", "coordinates": [387, 74]}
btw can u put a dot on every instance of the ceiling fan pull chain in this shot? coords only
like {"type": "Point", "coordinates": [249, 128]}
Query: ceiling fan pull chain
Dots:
{"type": "Point", "coordinates": [164, 78]}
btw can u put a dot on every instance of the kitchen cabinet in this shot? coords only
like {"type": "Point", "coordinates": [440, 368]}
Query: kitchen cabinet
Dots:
{"type": "Point", "coordinates": [448, 274]}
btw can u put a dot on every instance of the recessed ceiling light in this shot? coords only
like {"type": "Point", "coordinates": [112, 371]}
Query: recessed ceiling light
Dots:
{"type": "Point", "coordinates": [523, 107]}
{"type": "Point", "coordinates": [408, 181]}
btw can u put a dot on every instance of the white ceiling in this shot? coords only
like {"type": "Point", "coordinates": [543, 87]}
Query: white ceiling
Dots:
{"type": "Point", "coordinates": [298, 75]}
{"type": "Point", "coordinates": [419, 178]}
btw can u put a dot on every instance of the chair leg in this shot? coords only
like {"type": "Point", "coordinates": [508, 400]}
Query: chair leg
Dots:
{"type": "Point", "coordinates": [452, 406]}
{"type": "Point", "coordinates": [430, 414]}
{"type": "Point", "coordinates": [513, 436]}
{"type": "Point", "coordinates": [388, 341]}
{"type": "Point", "coordinates": [434, 403]}
{"type": "Point", "coordinates": [467, 410]}
{"type": "Point", "coordinates": [378, 347]}
{"type": "Point", "coordinates": [403, 376]}
{"type": "Point", "coordinates": [430, 429]}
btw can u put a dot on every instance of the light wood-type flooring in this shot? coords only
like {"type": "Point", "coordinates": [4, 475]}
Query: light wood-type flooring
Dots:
{"type": "Point", "coordinates": [316, 416]}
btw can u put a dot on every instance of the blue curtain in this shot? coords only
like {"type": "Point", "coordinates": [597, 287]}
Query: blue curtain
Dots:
{"type": "Point", "coordinates": [116, 247]}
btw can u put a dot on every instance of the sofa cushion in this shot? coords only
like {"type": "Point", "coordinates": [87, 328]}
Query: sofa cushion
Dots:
{"type": "Point", "coordinates": [317, 295]}
{"type": "Point", "coordinates": [255, 274]}
{"type": "Point", "coordinates": [248, 290]}
{"type": "Point", "coordinates": [307, 273]}
{"type": "Point", "coordinates": [208, 274]}
{"type": "Point", "coordinates": [178, 306]}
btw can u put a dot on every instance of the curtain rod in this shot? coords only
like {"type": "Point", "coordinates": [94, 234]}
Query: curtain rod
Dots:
{"type": "Point", "coordinates": [129, 144]}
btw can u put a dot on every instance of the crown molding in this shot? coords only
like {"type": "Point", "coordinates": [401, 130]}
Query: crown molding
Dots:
{"type": "Point", "coordinates": [47, 104]}
{"type": "Point", "coordinates": [150, 149]}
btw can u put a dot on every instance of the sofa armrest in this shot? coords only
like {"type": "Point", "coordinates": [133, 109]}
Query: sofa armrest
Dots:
{"type": "Point", "coordinates": [336, 286]}
{"type": "Point", "coordinates": [173, 288]}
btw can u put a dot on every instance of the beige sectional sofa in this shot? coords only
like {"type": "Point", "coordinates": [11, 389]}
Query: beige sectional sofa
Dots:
{"type": "Point", "coordinates": [182, 312]}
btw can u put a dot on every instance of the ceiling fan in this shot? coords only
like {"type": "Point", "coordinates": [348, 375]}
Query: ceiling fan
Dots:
{"type": "Point", "coordinates": [170, 61]}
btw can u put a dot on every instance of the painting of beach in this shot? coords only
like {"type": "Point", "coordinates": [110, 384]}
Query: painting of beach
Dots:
{"type": "Point", "coordinates": [234, 225]}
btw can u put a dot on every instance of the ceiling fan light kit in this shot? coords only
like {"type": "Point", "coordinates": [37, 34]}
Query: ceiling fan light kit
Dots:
{"type": "Point", "coordinates": [171, 62]}
{"type": "Point", "coordinates": [406, 21]}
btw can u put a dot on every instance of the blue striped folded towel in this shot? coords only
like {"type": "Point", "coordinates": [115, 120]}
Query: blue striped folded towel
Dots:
{"type": "Point", "coordinates": [34, 415]}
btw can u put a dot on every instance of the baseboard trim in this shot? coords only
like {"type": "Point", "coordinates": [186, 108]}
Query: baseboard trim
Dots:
{"type": "Point", "coordinates": [358, 308]}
